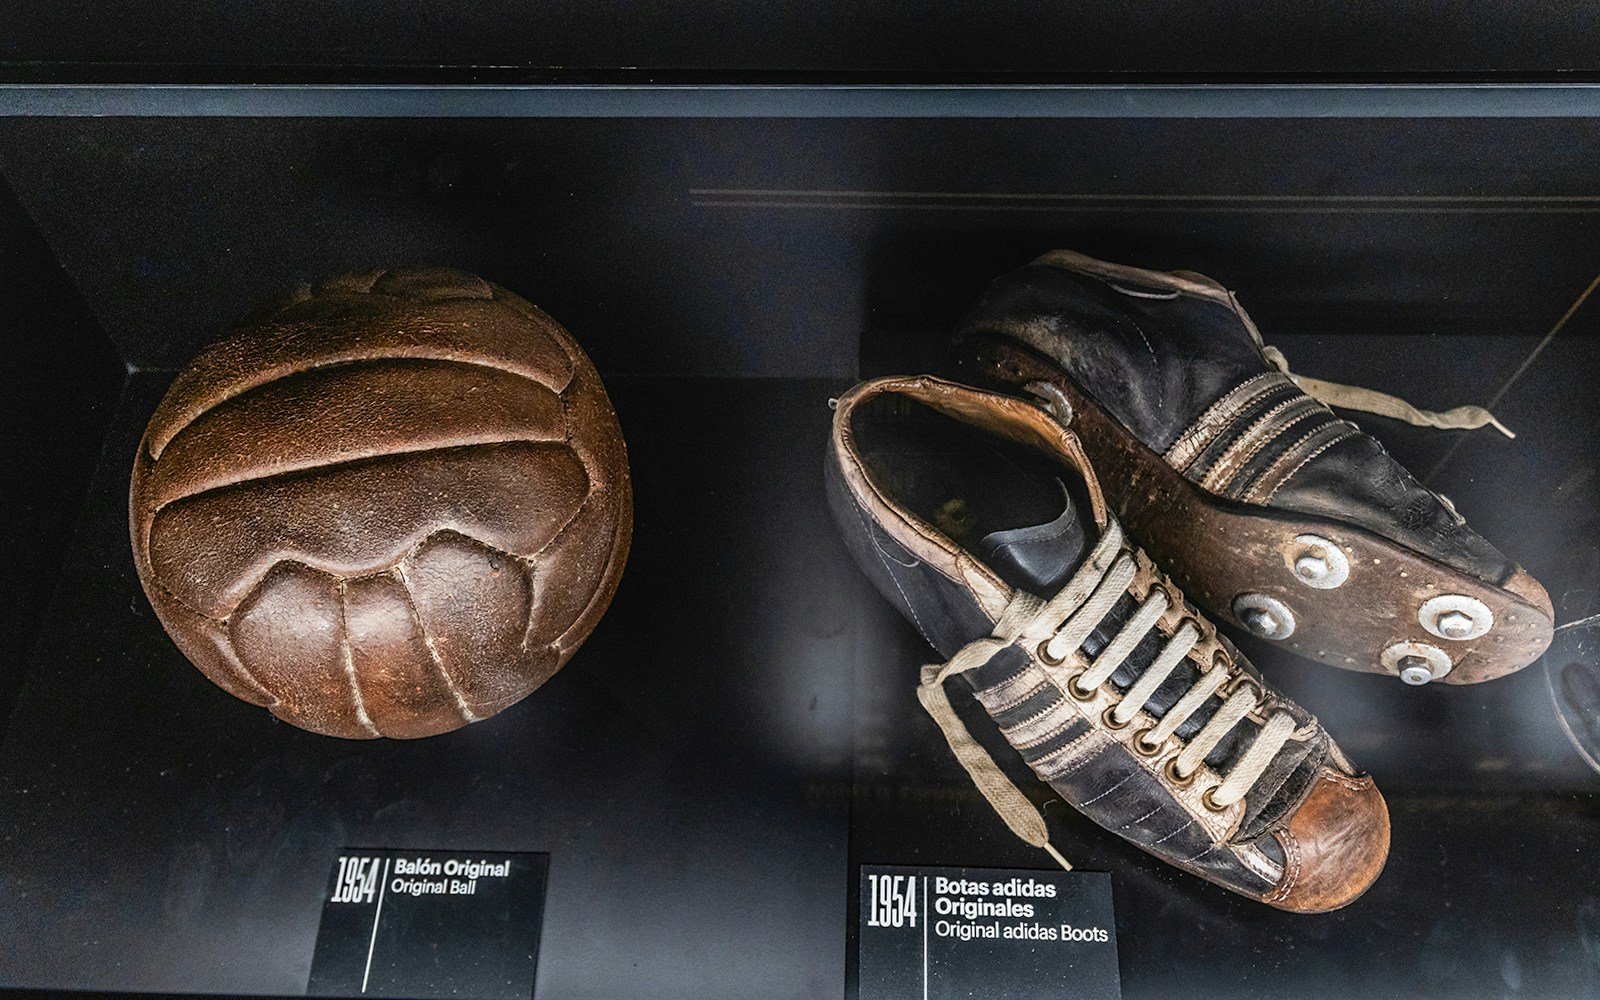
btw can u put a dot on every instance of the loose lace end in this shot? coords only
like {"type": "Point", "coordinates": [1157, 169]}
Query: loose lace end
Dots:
{"type": "Point", "coordinates": [1063, 862]}
{"type": "Point", "coordinates": [1003, 797]}
{"type": "Point", "coordinates": [1351, 397]}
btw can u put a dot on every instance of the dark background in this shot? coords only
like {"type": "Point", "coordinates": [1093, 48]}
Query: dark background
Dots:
{"type": "Point", "coordinates": [741, 730]}
{"type": "Point", "coordinates": [78, 39]}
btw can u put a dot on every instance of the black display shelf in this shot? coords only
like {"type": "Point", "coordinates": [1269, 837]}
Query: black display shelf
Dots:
{"type": "Point", "coordinates": [187, 41]}
{"type": "Point", "coordinates": [741, 732]}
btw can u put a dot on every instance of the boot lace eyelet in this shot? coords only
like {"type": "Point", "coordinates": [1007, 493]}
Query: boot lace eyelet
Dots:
{"type": "Point", "coordinates": [1210, 803]}
{"type": "Point", "coordinates": [1078, 692]}
{"type": "Point", "coordinates": [1043, 652]}
{"type": "Point", "coordinates": [1143, 748]}
{"type": "Point", "coordinates": [1264, 700]}
{"type": "Point", "coordinates": [1108, 719]}
{"type": "Point", "coordinates": [1178, 780]}
{"type": "Point", "coordinates": [1244, 680]}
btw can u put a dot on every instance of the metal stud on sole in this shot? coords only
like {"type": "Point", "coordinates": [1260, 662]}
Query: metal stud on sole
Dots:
{"type": "Point", "coordinates": [1417, 663]}
{"type": "Point", "coordinates": [1455, 616]}
{"type": "Point", "coordinates": [1266, 616]}
{"type": "Point", "coordinates": [1317, 562]}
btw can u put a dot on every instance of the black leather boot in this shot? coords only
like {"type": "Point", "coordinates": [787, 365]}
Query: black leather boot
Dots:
{"type": "Point", "coordinates": [1270, 510]}
{"type": "Point", "coordinates": [980, 518]}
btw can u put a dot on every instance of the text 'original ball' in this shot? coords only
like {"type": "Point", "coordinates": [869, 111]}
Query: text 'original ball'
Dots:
{"type": "Point", "coordinates": [391, 504]}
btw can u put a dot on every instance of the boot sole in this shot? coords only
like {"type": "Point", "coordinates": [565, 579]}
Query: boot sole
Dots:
{"type": "Point", "coordinates": [1221, 551]}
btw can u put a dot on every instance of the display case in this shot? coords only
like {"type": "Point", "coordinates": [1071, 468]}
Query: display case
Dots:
{"type": "Point", "coordinates": [741, 734]}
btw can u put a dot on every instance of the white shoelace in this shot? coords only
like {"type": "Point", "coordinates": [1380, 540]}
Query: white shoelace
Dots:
{"type": "Point", "coordinates": [1051, 632]}
{"type": "Point", "coordinates": [1354, 397]}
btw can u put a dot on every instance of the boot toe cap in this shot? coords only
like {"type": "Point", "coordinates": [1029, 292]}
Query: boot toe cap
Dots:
{"type": "Point", "coordinates": [1334, 845]}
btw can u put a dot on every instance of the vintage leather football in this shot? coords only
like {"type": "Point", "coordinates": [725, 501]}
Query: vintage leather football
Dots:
{"type": "Point", "coordinates": [389, 505]}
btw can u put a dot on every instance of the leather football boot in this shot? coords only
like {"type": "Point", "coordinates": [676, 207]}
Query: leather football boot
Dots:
{"type": "Point", "coordinates": [980, 518]}
{"type": "Point", "coordinates": [1266, 507]}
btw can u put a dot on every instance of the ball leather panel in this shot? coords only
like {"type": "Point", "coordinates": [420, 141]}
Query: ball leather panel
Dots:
{"type": "Point", "coordinates": [474, 604]}
{"type": "Point", "coordinates": [290, 638]}
{"type": "Point", "coordinates": [327, 630]}
{"type": "Point", "coordinates": [606, 458]}
{"type": "Point", "coordinates": [351, 411]}
{"type": "Point", "coordinates": [205, 641]}
{"type": "Point", "coordinates": [421, 283]}
{"type": "Point", "coordinates": [343, 328]}
{"type": "Point", "coordinates": [431, 284]}
{"type": "Point", "coordinates": [578, 553]}
{"type": "Point", "coordinates": [363, 517]}
{"type": "Point", "coordinates": [404, 690]}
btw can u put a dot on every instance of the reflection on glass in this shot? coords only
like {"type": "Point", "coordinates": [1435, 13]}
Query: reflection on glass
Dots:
{"type": "Point", "coordinates": [1572, 667]}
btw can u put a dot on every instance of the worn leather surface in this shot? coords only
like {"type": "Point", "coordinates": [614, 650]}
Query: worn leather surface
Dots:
{"type": "Point", "coordinates": [387, 505]}
{"type": "Point", "coordinates": [944, 591]}
{"type": "Point", "coordinates": [943, 610]}
{"type": "Point", "coordinates": [1156, 349]}
{"type": "Point", "coordinates": [1039, 557]}
{"type": "Point", "coordinates": [1334, 844]}
{"type": "Point", "coordinates": [1156, 357]}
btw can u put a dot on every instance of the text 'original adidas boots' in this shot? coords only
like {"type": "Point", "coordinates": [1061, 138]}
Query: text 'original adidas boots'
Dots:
{"type": "Point", "coordinates": [979, 517]}
{"type": "Point", "coordinates": [1267, 508]}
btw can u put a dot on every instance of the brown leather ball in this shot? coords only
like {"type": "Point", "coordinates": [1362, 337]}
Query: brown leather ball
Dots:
{"type": "Point", "coordinates": [388, 505]}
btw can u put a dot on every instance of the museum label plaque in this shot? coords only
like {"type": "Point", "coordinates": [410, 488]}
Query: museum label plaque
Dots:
{"type": "Point", "coordinates": [930, 933]}
{"type": "Point", "coordinates": [430, 924]}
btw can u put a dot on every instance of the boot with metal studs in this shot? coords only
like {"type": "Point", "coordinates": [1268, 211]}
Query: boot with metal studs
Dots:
{"type": "Point", "coordinates": [1267, 508]}
{"type": "Point", "coordinates": [980, 518]}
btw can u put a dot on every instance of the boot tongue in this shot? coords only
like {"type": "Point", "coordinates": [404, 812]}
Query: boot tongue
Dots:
{"type": "Point", "coordinates": [1039, 558]}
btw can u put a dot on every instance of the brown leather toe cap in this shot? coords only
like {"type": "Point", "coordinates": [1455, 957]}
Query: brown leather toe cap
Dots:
{"type": "Point", "coordinates": [1334, 846]}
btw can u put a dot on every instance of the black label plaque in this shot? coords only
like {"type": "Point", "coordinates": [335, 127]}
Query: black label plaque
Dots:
{"type": "Point", "coordinates": [933, 933]}
{"type": "Point", "coordinates": [430, 924]}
